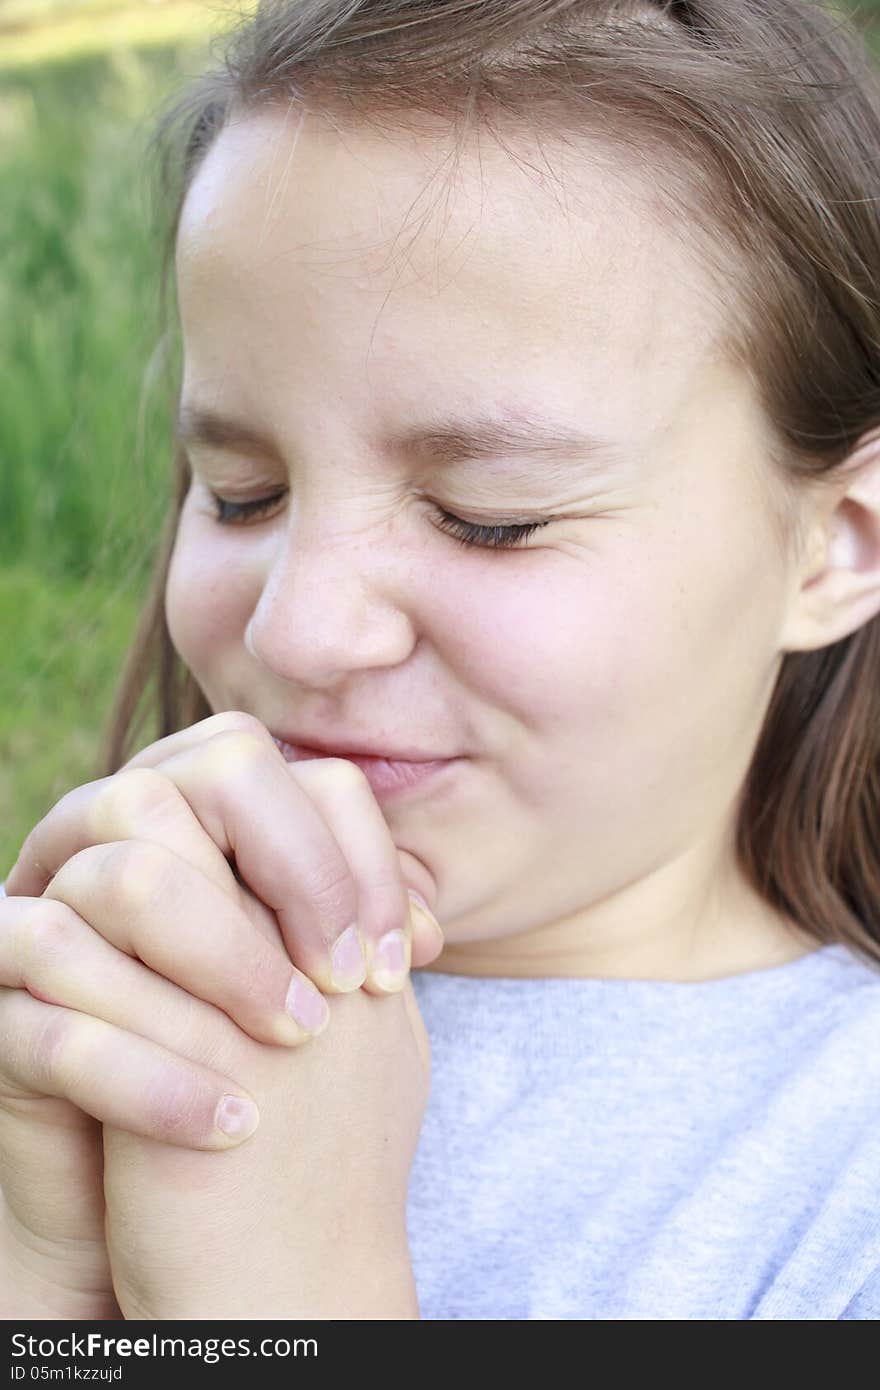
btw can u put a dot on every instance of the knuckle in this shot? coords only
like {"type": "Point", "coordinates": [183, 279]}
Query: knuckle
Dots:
{"type": "Point", "coordinates": [136, 872]}
{"type": "Point", "coordinates": [339, 772]}
{"type": "Point", "coordinates": [50, 1047]}
{"type": "Point", "coordinates": [260, 983]}
{"type": "Point", "coordinates": [238, 721]}
{"type": "Point", "coordinates": [239, 750]}
{"type": "Point", "coordinates": [331, 888]}
{"type": "Point", "coordinates": [388, 904]}
{"type": "Point", "coordinates": [173, 1101]}
{"type": "Point", "coordinates": [50, 932]}
{"type": "Point", "coordinates": [128, 798]}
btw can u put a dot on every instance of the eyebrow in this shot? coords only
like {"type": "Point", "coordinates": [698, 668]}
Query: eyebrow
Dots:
{"type": "Point", "coordinates": [199, 425]}
{"type": "Point", "coordinates": [442, 440]}
{"type": "Point", "coordinates": [455, 439]}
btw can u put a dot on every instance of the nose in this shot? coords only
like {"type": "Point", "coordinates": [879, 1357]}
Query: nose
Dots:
{"type": "Point", "coordinates": [332, 603]}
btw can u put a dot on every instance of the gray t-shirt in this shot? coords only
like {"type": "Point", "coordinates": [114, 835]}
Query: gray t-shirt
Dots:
{"type": "Point", "coordinates": [614, 1149]}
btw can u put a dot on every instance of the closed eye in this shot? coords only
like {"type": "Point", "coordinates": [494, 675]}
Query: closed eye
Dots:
{"type": "Point", "coordinates": [486, 536]}
{"type": "Point", "coordinates": [467, 533]}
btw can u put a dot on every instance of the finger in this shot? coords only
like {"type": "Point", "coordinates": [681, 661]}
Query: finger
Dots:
{"type": "Point", "coordinates": [238, 789]}
{"type": "Point", "coordinates": [311, 841]}
{"type": "Point", "coordinates": [129, 805]}
{"type": "Point", "coordinates": [397, 931]}
{"type": "Point", "coordinates": [227, 721]}
{"type": "Point", "coordinates": [176, 804]}
{"type": "Point", "coordinates": [119, 1078]}
{"type": "Point", "coordinates": [241, 789]}
{"type": "Point", "coordinates": [117, 808]}
{"type": "Point", "coordinates": [428, 935]}
{"type": "Point", "coordinates": [136, 899]}
{"type": "Point", "coordinates": [47, 949]}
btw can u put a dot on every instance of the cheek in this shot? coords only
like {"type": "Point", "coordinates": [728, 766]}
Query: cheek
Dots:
{"type": "Point", "coordinates": [540, 638]}
{"type": "Point", "coordinates": [643, 661]}
{"type": "Point", "coordinates": [682, 711]}
{"type": "Point", "coordinates": [208, 598]}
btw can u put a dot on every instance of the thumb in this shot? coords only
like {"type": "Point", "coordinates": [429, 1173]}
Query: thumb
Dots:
{"type": "Point", "coordinates": [427, 934]}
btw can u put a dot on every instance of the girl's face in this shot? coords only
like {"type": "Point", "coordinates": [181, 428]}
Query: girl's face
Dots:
{"type": "Point", "coordinates": [603, 682]}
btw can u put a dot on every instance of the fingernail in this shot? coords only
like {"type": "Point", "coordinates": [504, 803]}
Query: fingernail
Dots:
{"type": "Point", "coordinates": [237, 1117]}
{"type": "Point", "coordinates": [391, 960]}
{"type": "Point", "coordinates": [348, 966]}
{"type": "Point", "coordinates": [307, 1005]}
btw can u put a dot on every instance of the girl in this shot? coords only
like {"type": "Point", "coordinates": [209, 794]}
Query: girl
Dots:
{"type": "Point", "coordinates": [525, 553]}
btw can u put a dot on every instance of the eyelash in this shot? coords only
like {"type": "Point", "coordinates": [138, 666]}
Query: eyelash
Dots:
{"type": "Point", "coordinates": [466, 533]}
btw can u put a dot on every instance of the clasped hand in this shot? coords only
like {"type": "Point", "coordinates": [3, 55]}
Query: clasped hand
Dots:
{"type": "Point", "coordinates": [160, 923]}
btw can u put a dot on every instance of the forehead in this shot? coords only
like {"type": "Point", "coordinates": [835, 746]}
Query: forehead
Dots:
{"type": "Point", "coordinates": [505, 259]}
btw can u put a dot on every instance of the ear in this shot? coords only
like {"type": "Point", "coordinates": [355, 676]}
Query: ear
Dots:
{"type": "Point", "coordinates": [839, 582]}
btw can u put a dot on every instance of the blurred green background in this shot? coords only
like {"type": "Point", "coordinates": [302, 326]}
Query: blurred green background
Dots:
{"type": "Point", "coordinates": [84, 450]}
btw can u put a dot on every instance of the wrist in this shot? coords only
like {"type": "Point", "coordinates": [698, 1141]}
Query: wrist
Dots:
{"type": "Point", "coordinates": [380, 1287]}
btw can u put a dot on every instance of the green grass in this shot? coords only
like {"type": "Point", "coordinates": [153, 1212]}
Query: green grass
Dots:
{"type": "Point", "coordinates": [77, 317]}
{"type": "Point", "coordinates": [63, 641]}
{"type": "Point", "coordinates": [49, 33]}
{"type": "Point", "coordinates": [84, 453]}
{"type": "Point", "coordinates": [15, 13]}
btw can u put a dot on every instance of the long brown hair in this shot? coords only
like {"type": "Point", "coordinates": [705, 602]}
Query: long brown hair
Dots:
{"type": "Point", "coordinates": [761, 122]}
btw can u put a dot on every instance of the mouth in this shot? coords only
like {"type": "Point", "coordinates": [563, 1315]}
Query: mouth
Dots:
{"type": "Point", "coordinates": [388, 777]}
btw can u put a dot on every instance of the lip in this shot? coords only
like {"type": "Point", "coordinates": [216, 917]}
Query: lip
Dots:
{"type": "Point", "coordinates": [359, 750]}
{"type": "Point", "coordinates": [388, 777]}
